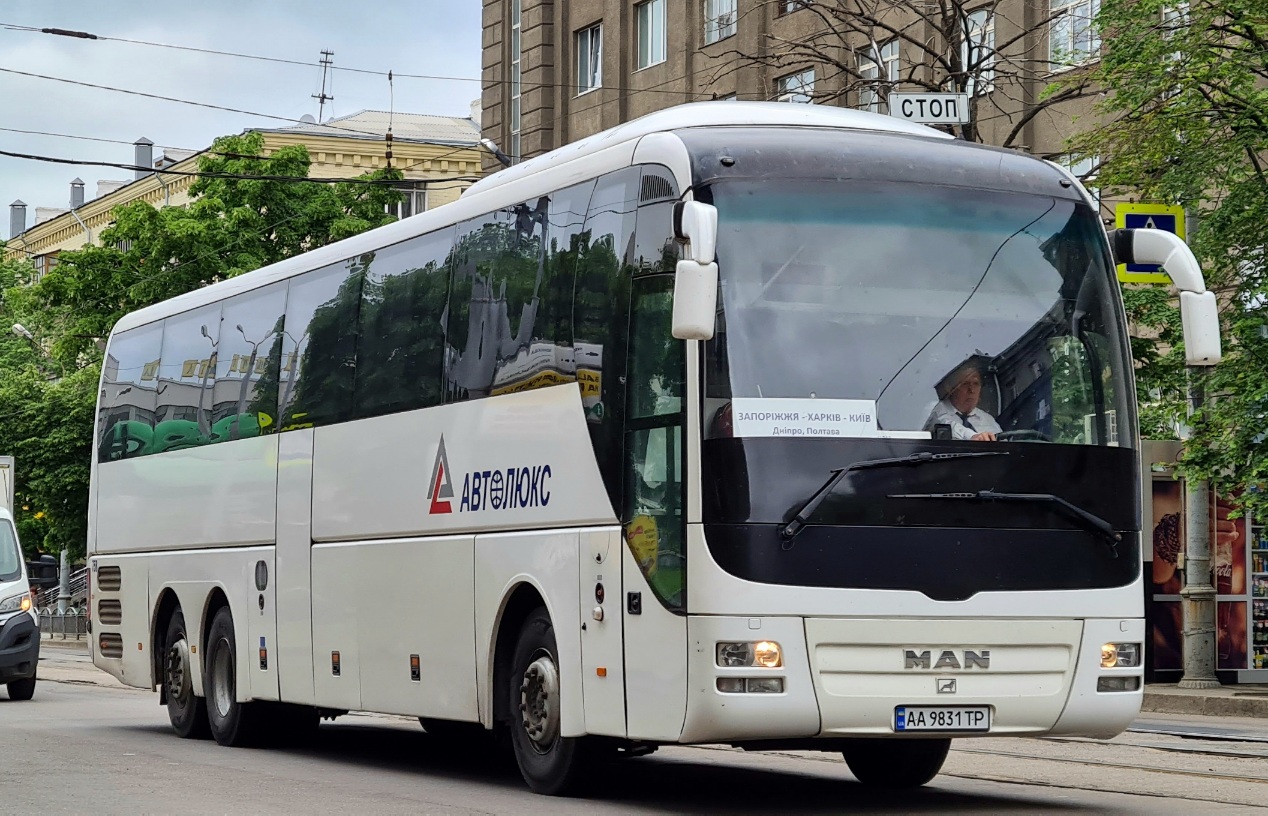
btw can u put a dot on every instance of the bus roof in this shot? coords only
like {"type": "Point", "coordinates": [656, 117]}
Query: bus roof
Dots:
{"type": "Point", "coordinates": [710, 114]}
{"type": "Point", "coordinates": [484, 192]}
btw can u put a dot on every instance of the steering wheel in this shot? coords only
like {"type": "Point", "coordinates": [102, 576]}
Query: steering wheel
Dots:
{"type": "Point", "coordinates": [1023, 435]}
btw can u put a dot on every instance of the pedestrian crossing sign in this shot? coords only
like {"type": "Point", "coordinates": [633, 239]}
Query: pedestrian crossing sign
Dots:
{"type": "Point", "coordinates": [1148, 216]}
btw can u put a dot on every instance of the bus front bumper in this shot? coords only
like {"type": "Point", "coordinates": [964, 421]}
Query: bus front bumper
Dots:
{"type": "Point", "coordinates": [842, 678]}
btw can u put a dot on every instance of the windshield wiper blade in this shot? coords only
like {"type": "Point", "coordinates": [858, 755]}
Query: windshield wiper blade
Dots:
{"type": "Point", "coordinates": [1088, 521]}
{"type": "Point", "coordinates": [798, 522]}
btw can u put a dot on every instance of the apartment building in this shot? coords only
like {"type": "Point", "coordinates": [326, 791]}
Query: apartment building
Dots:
{"type": "Point", "coordinates": [557, 70]}
{"type": "Point", "coordinates": [438, 155]}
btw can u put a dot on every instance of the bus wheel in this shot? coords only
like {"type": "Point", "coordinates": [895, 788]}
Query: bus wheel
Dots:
{"type": "Point", "coordinates": [547, 761]}
{"type": "Point", "coordinates": [232, 723]}
{"type": "Point", "coordinates": [23, 689]}
{"type": "Point", "coordinates": [187, 712]}
{"type": "Point", "coordinates": [895, 763]}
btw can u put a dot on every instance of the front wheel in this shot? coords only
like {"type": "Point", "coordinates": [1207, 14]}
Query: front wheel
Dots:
{"type": "Point", "coordinates": [896, 763]}
{"type": "Point", "coordinates": [548, 762]}
{"type": "Point", "coordinates": [23, 689]}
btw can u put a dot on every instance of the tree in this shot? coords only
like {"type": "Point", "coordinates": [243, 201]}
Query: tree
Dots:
{"type": "Point", "coordinates": [1188, 124]}
{"type": "Point", "coordinates": [250, 210]}
{"type": "Point", "coordinates": [863, 49]}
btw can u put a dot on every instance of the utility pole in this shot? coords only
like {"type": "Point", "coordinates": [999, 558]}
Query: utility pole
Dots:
{"type": "Point", "coordinates": [327, 60]}
{"type": "Point", "coordinates": [1198, 598]}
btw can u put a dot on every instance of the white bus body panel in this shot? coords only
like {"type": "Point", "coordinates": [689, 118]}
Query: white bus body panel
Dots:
{"type": "Point", "coordinates": [294, 649]}
{"type": "Point", "coordinates": [417, 585]}
{"type": "Point", "coordinates": [548, 562]}
{"type": "Point", "coordinates": [209, 496]}
{"type": "Point", "coordinates": [602, 632]}
{"type": "Point", "coordinates": [373, 478]}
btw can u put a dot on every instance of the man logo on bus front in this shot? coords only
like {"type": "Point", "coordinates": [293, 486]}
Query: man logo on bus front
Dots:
{"type": "Point", "coordinates": [441, 484]}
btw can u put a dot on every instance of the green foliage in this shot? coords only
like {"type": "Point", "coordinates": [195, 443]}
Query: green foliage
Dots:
{"type": "Point", "coordinates": [232, 225]}
{"type": "Point", "coordinates": [1187, 113]}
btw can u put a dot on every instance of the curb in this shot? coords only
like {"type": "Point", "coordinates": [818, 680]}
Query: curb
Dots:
{"type": "Point", "coordinates": [1210, 706]}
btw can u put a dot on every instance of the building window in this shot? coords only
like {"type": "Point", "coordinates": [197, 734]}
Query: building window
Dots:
{"type": "Point", "coordinates": [589, 58]}
{"type": "Point", "coordinates": [719, 20]}
{"type": "Point", "coordinates": [879, 72]}
{"type": "Point", "coordinates": [977, 51]}
{"type": "Point", "coordinates": [413, 202]}
{"type": "Point", "coordinates": [650, 19]}
{"type": "Point", "coordinates": [798, 87]}
{"type": "Point", "coordinates": [789, 6]}
{"type": "Point", "coordinates": [516, 53]}
{"type": "Point", "coordinates": [1072, 36]}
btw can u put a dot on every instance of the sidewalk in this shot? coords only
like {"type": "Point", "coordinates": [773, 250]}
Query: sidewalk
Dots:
{"type": "Point", "coordinates": [1226, 701]}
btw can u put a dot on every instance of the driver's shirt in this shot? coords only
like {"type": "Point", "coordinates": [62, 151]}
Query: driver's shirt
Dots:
{"type": "Point", "coordinates": [963, 426]}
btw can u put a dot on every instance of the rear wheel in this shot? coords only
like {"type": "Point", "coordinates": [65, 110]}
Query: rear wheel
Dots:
{"type": "Point", "coordinates": [896, 763]}
{"type": "Point", "coordinates": [548, 761]}
{"type": "Point", "coordinates": [232, 723]}
{"type": "Point", "coordinates": [187, 712]}
{"type": "Point", "coordinates": [21, 689]}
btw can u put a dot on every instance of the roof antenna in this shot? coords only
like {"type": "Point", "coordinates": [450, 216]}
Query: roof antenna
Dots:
{"type": "Point", "coordinates": [391, 110]}
{"type": "Point", "coordinates": [322, 98]}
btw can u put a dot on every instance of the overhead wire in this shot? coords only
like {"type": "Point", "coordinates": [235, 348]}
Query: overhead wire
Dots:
{"type": "Point", "coordinates": [304, 63]}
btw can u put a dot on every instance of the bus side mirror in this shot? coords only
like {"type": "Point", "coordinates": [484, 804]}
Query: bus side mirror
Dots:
{"type": "Point", "coordinates": [695, 300]}
{"type": "Point", "coordinates": [1199, 310]}
{"type": "Point", "coordinates": [696, 277]}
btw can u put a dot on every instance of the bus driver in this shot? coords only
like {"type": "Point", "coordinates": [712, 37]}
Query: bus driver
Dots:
{"type": "Point", "coordinates": [959, 394]}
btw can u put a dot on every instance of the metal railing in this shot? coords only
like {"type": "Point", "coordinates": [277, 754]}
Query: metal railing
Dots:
{"type": "Point", "coordinates": [69, 625]}
{"type": "Point", "coordinates": [78, 590]}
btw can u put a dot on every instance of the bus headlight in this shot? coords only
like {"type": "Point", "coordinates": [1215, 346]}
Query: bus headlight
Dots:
{"type": "Point", "coordinates": [17, 603]}
{"type": "Point", "coordinates": [763, 654]}
{"type": "Point", "coordinates": [1120, 656]}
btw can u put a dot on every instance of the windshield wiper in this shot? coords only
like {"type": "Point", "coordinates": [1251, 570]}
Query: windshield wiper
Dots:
{"type": "Point", "coordinates": [798, 522]}
{"type": "Point", "coordinates": [1088, 521]}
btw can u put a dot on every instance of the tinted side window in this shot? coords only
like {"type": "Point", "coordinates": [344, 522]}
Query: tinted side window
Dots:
{"type": "Point", "coordinates": [187, 380]}
{"type": "Point", "coordinates": [319, 345]}
{"type": "Point", "coordinates": [248, 365]}
{"type": "Point", "coordinates": [125, 420]}
{"type": "Point", "coordinates": [509, 315]}
{"type": "Point", "coordinates": [403, 302]}
{"type": "Point", "coordinates": [601, 313]}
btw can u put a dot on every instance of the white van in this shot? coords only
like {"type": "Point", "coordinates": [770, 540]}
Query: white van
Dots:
{"type": "Point", "coordinates": [19, 625]}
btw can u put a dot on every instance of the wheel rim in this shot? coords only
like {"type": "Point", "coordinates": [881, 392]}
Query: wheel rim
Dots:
{"type": "Point", "coordinates": [222, 677]}
{"type": "Point", "coordinates": [539, 702]}
{"type": "Point", "coordinates": [178, 678]}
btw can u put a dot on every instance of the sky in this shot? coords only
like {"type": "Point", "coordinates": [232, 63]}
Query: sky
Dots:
{"type": "Point", "coordinates": [433, 37]}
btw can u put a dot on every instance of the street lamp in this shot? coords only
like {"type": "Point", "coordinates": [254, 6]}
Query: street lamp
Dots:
{"type": "Point", "coordinates": [24, 333]}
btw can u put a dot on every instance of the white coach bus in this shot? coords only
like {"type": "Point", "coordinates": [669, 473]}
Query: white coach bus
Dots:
{"type": "Point", "coordinates": [772, 425]}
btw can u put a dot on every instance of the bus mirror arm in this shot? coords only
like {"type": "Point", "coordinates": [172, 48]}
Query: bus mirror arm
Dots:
{"type": "Point", "coordinates": [696, 275]}
{"type": "Point", "coordinates": [1199, 310]}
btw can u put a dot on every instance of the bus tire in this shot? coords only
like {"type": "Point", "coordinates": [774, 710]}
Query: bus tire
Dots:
{"type": "Point", "coordinates": [548, 762]}
{"type": "Point", "coordinates": [23, 689]}
{"type": "Point", "coordinates": [232, 723]}
{"type": "Point", "coordinates": [896, 763]}
{"type": "Point", "coordinates": [186, 711]}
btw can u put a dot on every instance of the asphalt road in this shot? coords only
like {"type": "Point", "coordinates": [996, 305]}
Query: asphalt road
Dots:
{"type": "Point", "coordinates": [86, 746]}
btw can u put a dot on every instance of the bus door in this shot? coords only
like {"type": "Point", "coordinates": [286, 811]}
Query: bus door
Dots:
{"type": "Point", "coordinates": [653, 517]}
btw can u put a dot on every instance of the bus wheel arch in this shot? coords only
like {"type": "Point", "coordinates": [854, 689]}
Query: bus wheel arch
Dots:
{"type": "Point", "coordinates": [519, 603]}
{"type": "Point", "coordinates": [168, 605]}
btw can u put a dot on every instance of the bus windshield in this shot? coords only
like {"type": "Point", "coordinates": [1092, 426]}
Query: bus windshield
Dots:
{"type": "Point", "coordinates": [888, 293]}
